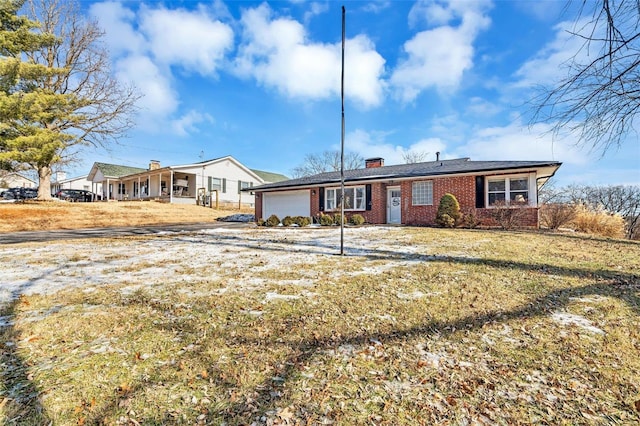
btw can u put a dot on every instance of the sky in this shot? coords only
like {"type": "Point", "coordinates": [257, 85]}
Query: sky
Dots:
{"type": "Point", "coordinates": [261, 81]}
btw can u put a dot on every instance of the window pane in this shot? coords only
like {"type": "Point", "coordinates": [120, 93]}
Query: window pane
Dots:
{"type": "Point", "coordinates": [497, 197]}
{"type": "Point", "coordinates": [360, 199]}
{"type": "Point", "coordinates": [518, 184]}
{"type": "Point", "coordinates": [519, 197]}
{"type": "Point", "coordinates": [496, 185]}
{"type": "Point", "coordinates": [331, 199]}
{"type": "Point", "coordinates": [421, 193]}
{"type": "Point", "coordinates": [348, 198]}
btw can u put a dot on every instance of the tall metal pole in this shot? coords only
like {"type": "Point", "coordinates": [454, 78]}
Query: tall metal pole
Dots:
{"type": "Point", "coordinates": [342, 144]}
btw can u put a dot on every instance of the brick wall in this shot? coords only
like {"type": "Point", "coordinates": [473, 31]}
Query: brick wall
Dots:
{"type": "Point", "coordinates": [462, 187]}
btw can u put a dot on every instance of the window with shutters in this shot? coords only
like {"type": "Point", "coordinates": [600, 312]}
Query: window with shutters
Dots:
{"type": "Point", "coordinates": [510, 191]}
{"type": "Point", "coordinates": [354, 198]}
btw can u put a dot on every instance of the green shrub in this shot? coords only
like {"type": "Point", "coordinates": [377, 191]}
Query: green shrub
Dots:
{"type": "Point", "coordinates": [302, 221]}
{"type": "Point", "coordinates": [287, 221]}
{"type": "Point", "coordinates": [326, 220]}
{"type": "Point", "coordinates": [273, 220]}
{"type": "Point", "coordinates": [448, 211]}
{"type": "Point", "coordinates": [357, 219]}
{"type": "Point", "coordinates": [337, 218]}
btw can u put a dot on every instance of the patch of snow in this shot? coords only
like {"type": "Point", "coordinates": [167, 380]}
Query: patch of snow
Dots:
{"type": "Point", "coordinates": [565, 318]}
{"type": "Point", "coordinates": [239, 217]}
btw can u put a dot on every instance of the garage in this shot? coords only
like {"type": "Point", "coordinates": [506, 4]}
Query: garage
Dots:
{"type": "Point", "coordinates": [290, 203]}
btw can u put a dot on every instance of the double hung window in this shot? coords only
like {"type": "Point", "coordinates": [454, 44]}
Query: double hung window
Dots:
{"type": "Point", "coordinates": [354, 198]}
{"type": "Point", "coordinates": [510, 191]}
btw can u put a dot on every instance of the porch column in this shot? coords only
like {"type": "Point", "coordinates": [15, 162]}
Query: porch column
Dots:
{"type": "Point", "coordinates": [171, 188]}
{"type": "Point", "coordinates": [139, 189]}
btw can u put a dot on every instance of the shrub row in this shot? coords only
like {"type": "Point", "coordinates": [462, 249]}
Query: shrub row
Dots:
{"type": "Point", "coordinates": [323, 219]}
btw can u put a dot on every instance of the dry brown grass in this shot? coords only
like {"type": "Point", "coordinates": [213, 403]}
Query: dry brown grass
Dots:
{"type": "Point", "coordinates": [417, 327]}
{"type": "Point", "coordinates": [60, 215]}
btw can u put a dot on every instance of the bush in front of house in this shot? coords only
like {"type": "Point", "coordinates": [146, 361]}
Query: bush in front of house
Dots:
{"type": "Point", "coordinates": [357, 219]}
{"type": "Point", "coordinates": [469, 220]}
{"type": "Point", "coordinates": [326, 220]}
{"type": "Point", "coordinates": [448, 211]}
{"type": "Point", "coordinates": [302, 221]}
{"type": "Point", "coordinates": [337, 218]}
{"type": "Point", "coordinates": [506, 216]}
{"type": "Point", "coordinates": [555, 215]}
{"type": "Point", "coordinates": [288, 221]}
{"type": "Point", "coordinates": [273, 220]}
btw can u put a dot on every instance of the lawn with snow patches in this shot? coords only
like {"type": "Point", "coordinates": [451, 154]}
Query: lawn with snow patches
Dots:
{"type": "Point", "coordinates": [271, 326]}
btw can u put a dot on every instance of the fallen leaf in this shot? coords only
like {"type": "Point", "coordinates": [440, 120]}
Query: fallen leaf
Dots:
{"type": "Point", "coordinates": [81, 421]}
{"type": "Point", "coordinates": [285, 414]}
{"type": "Point", "coordinates": [204, 374]}
{"type": "Point", "coordinates": [123, 389]}
{"type": "Point", "coordinates": [637, 405]}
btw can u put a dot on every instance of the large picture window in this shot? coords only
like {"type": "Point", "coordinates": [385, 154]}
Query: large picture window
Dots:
{"type": "Point", "coordinates": [510, 191]}
{"type": "Point", "coordinates": [354, 198]}
{"type": "Point", "coordinates": [422, 193]}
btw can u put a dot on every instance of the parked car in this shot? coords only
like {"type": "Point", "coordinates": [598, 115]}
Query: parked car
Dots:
{"type": "Point", "coordinates": [75, 195]}
{"type": "Point", "coordinates": [19, 193]}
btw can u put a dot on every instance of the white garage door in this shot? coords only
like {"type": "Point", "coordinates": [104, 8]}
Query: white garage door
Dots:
{"type": "Point", "coordinates": [291, 203]}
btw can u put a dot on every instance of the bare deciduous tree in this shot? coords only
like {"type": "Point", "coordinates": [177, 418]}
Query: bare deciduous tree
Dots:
{"type": "Point", "coordinates": [412, 157]}
{"type": "Point", "coordinates": [600, 97]}
{"type": "Point", "coordinates": [328, 161]}
{"type": "Point", "coordinates": [100, 109]}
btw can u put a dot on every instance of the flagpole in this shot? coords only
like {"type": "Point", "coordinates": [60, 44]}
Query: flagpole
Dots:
{"type": "Point", "coordinates": [342, 144]}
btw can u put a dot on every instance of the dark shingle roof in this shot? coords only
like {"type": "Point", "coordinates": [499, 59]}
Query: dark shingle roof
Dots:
{"type": "Point", "coordinates": [269, 176]}
{"type": "Point", "coordinates": [115, 170]}
{"type": "Point", "coordinates": [431, 168]}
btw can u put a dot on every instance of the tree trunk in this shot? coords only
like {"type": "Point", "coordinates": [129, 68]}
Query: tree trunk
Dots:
{"type": "Point", "coordinates": [44, 185]}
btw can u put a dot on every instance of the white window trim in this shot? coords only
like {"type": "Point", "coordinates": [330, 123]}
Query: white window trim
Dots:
{"type": "Point", "coordinates": [532, 188]}
{"type": "Point", "coordinates": [413, 203]}
{"type": "Point", "coordinates": [337, 189]}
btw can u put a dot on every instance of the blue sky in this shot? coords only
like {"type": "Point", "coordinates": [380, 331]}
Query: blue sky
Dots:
{"type": "Point", "coordinates": [261, 81]}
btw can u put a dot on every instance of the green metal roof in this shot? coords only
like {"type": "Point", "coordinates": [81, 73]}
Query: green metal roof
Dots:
{"type": "Point", "coordinates": [115, 170]}
{"type": "Point", "coordinates": [269, 177]}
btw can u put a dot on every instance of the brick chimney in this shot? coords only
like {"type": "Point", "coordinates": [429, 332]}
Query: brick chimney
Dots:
{"type": "Point", "coordinates": [154, 165]}
{"type": "Point", "coordinates": [371, 163]}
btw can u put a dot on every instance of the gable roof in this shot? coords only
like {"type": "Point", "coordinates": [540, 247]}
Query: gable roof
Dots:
{"type": "Point", "coordinates": [415, 170]}
{"type": "Point", "coordinates": [269, 176]}
{"type": "Point", "coordinates": [114, 170]}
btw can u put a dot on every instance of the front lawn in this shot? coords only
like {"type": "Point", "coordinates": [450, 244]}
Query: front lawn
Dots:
{"type": "Point", "coordinates": [270, 326]}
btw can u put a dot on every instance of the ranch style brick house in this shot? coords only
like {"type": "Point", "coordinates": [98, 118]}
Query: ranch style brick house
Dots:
{"type": "Point", "coordinates": [410, 193]}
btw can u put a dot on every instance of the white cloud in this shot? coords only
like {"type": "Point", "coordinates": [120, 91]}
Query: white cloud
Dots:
{"type": "Point", "coordinates": [186, 124]}
{"type": "Point", "coordinates": [118, 21]}
{"type": "Point", "coordinates": [439, 56]}
{"type": "Point", "coordinates": [315, 9]}
{"type": "Point", "coordinates": [190, 39]}
{"type": "Point", "coordinates": [159, 99]}
{"type": "Point", "coordinates": [277, 53]}
{"type": "Point", "coordinates": [373, 144]}
{"type": "Point", "coordinates": [147, 45]}
{"type": "Point", "coordinates": [550, 64]}
{"type": "Point", "coordinates": [519, 142]}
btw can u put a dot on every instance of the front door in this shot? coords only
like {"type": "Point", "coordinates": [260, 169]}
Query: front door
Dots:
{"type": "Point", "coordinates": [394, 205]}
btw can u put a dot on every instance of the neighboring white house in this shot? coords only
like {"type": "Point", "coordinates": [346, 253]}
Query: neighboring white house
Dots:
{"type": "Point", "coordinates": [14, 180]}
{"type": "Point", "coordinates": [80, 182]}
{"type": "Point", "coordinates": [219, 180]}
